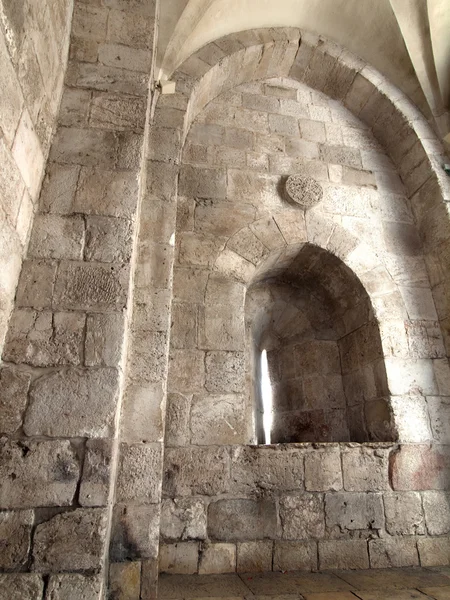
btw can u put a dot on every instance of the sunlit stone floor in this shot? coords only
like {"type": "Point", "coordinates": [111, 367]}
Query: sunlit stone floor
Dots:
{"type": "Point", "coordinates": [376, 584]}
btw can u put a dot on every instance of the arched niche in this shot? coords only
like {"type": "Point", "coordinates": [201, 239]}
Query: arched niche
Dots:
{"type": "Point", "coordinates": [312, 318]}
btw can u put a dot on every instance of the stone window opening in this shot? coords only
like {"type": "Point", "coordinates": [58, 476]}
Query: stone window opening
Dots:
{"type": "Point", "coordinates": [318, 365]}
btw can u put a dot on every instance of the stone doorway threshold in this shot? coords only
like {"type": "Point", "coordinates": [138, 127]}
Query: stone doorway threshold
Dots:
{"type": "Point", "coordinates": [376, 584]}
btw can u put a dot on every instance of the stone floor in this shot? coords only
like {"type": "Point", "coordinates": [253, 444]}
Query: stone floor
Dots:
{"type": "Point", "coordinates": [376, 584]}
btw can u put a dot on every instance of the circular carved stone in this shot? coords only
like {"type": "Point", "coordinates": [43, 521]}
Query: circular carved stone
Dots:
{"type": "Point", "coordinates": [304, 191]}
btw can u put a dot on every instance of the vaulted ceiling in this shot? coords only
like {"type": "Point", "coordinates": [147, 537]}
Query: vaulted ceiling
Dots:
{"type": "Point", "coordinates": [408, 41]}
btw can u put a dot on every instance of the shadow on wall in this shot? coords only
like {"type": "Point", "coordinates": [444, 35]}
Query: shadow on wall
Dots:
{"type": "Point", "coordinates": [314, 319]}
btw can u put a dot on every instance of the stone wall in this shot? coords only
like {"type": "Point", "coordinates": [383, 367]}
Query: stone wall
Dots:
{"type": "Point", "coordinates": [235, 229]}
{"type": "Point", "coordinates": [34, 40]}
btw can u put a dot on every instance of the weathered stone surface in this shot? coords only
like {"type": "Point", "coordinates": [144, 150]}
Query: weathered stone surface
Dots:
{"type": "Point", "coordinates": [295, 556]}
{"type": "Point", "coordinates": [323, 470]}
{"type": "Point", "coordinates": [108, 239]}
{"type": "Point", "coordinates": [104, 340]}
{"type": "Point", "coordinates": [352, 511]}
{"type": "Point", "coordinates": [404, 514]}
{"type": "Point", "coordinates": [25, 586]}
{"type": "Point", "coordinates": [242, 520]}
{"type": "Point", "coordinates": [217, 558]}
{"type": "Point", "coordinates": [420, 467]}
{"type": "Point", "coordinates": [73, 403]}
{"type": "Point", "coordinates": [13, 399]}
{"type": "Point", "coordinates": [302, 516]}
{"type": "Point", "coordinates": [254, 557]}
{"type": "Point", "coordinates": [95, 481]}
{"type": "Point", "coordinates": [177, 420]}
{"type": "Point", "coordinates": [55, 236]}
{"type": "Point", "coordinates": [434, 551]}
{"type": "Point", "coordinates": [115, 193]}
{"type": "Point", "coordinates": [179, 558]}
{"type": "Point", "coordinates": [142, 413]}
{"type": "Point", "coordinates": [74, 587]}
{"type": "Point", "coordinates": [72, 540]}
{"type": "Point", "coordinates": [393, 552]}
{"type": "Point", "coordinates": [195, 471]}
{"type": "Point", "coordinates": [135, 532]}
{"type": "Point", "coordinates": [436, 506]}
{"type": "Point", "coordinates": [183, 519]}
{"type": "Point", "coordinates": [37, 473]}
{"type": "Point", "coordinates": [15, 536]}
{"type": "Point", "coordinates": [218, 419]}
{"type": "Point", "coordinates": [186, 371]}
{"type": "Point", "coordinates": [183, 332]}
{"type": "Point", "coordinates": [365, 469]}
{"type": "Point", "coordinates": [125, 580]}
{"type": "Point", "coordinates": [139, 474]}
{"type": "Point", "coordinates": [202, 183]}
{"type": "Point", "coordinates": [439, 411]}
{"type": "Point", "coordinates": [343, 554]}
{"type": "Point", "coordinates": [266, 469]}
{"type": "Point", "coordinates": [86, 286]}
{"type": "Point", "coordinates": [45, 339]}
{"type": "Point", "coordinates": [225, 372]}
{"type": "Point", "coordinates": [35, 287]}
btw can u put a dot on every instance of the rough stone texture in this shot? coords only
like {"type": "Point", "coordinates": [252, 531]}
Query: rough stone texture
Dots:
{"type": "Point", "coordinates": [218, 419]}
{"type": "Point", "coordinates": [26, 586]}
{"type": "Point", "coordinates": [393, 552]}
{"type": "Point", "coordinates": [254, 557]}
{"type": "Point", "coordinates": [434, 551]}
{"type": "Point", "coordinates": [343, 554]}
{"type": "Point", "coordinates": [95, 481]}
{"type": "Point", "coordinates": [37, 473]}
{"type": "Point", "coordinates": [323, 470]}
{"type": "Point", "coordinates": [404, 514]}
{"type": "Point", "coordinates": [365, 469]}
{"type": "Point", "coordinates": [72, 540]}
{"type": "Point", "coordinates": [135, 532]}
{"type": "Point", "coordinates": [125, 580]}
{"type": "Point", "coordinates": [104, 340]}
{"type": "Point", "coordinates": [139, 471]}
{"type": "Point", "coordinates": [179, 558]}
{"type": "Point", "coordinates": [295, 556]}
{"type": "Point", "coordinates": [183, 519]}
{"type": "Point", "coordinates": [73, 403]}
{"type": "Point", "coordinates": [13, 399]}
{"type": "Point", "coordinates": [420, 467]}
{"type": "Point", "coordinates": [242, 520]}
{"type": "Point", "coordinates": [353, 511]}
{"type": "Point", "coordinates": [217, 558]}
{"type": "Point", "coordinates": [302, 516]}
{"type": "Point", "coordinates": [15, 536]}
{"type": "Point", "coordinates": [192, 471]}
{"type": "Point", "coordinates": [74, 587]}
{"type": "Point", "coordinates": [436, 506]}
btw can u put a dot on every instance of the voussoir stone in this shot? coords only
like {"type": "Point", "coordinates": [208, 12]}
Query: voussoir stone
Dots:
{"type": "Point", "coordinates": [71, 541]}
{"type": "Point", "coordinates": [37, 473]}
{"type": "Point", "coordinates": [73, 403]}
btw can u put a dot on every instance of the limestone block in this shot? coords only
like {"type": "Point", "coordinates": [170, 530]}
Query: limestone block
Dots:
{"type": "Point", "coordinates": [221, 325]}
{"type": "Point", "coordinates": [73, 586]}
{"type": "Point", "coordinates": [88, 147]}
{"type": "Point", "coordinates": [434, 551]}
{"type": "Point", "coordinates": [246, 244]}
{"type": "Point", "coordinates": [352, 511]}
{"type": "Point", "coordinates": [266, 230]}
{"type": "Point", "coordinates": [442, 373]}
{"type": "Point", "coordinates": [142, 413]}
{"type": "Point", "coordinates": [436, 506]}
{"type": "Point", "coordinates": [89, 22]}
{"type": "Point", "coordinates": [295, 556]}
{"type": "Point", "coordinates": [151, 310]}
{"type": "Point", "coordinates": [74, 111]}
{"type": "Point", "coordinates": [424, 339]}
{"type": "Point", "coordinates": [95, 480]}
{"type": "Point", "coordinates": [413, 376]}
{"type": "Point", "coordinates": [25, 218]}
{"type": "Point", "coordinates": [302, 516]}
{"type": "Point", "coordinates": [238, 138]}
{"type": "Point", "coordinates": [218, 419]}
{"type": "Point", "coordinates": [27, 154]}
{"type": "Point", "coordinates": [91, 286]}
{"type": "Point", "coordinates": [104, 339]}
{"type": "Point", "coordinates": [44, 339]}
{"type": "Point", "coordinates": [139, 7]}
{"type": "Point", "coordinates": [323, 470]}
{"type": "Point", "coordinates": [411, 418]}
{"type": "Point", "coordinates": [227, 157]}
{"type": "Point", "coordinates": [135, 532]}
{"type": "Point", "coordinates": [242, 520]}
{"type": "Point", "coordinates": [195, 154]}
{"type": "Point", "coordinates": [177, 420]}
{"type": "Point", "coordinates": [189, 284]}
{"type": "Point", "coordinates": [230, 264]}
{"type": "Point", "coordinates": [117, 112]}
{"type": "Point", "coordinates": [71, 540]}
{"type": "Point", "coordinates": [139, 473]}
{"type": "Point", "coordinates": [202, 183]}
{"type": "Point", "coordinates": [100, 77]}
{"type": "Point", "coordinates": [208, 134]}
{"type": "Point", "coordinates": [109, 193]}
{"type": "Point", "coordinates": [183, 332]}
{"type": "Point", "coordinates": [269, 143]}
{"type": "Point", "coordinates": [225, 372]}
{"type": "Point", "coordinates": [270, 470]}
{"type": "Point", "coordinates": [164, 144]}
{"type": "Point", "coordinates": [254, 557]}
{"type": "Point", "coordinates": [269, 104]}
{"type": "Point", "coordinates": [155, 265]}
{"type": "Point", "coordinates": [251, 120]}
{"type": "Point", "coordinates": [14, 387]}
{"type": "Point", "coordinates": [365, 469]}
{"type": "Point", "coordinates": [257, 161]}
{"type": "Point", "coordinates": [343, 554]}
{"type": "Point", "coordinates": [284, 124]}
{"type": "Point", "coordinates": [15, 533]}
{"type": "Point", "coordinates": [393, 552]}
{"type": "Point", "coordinates": [404, 515]}
{"type": "Point", "coordinates": [280, 91]}
{"type": "Point", "coordinates": [129, 150]}
{"type": "Point", "coordinates": [11, 99]}
{"type": "Point", "coordinates": [183, 519]}
{"type": "Point", "coordinates": [108, 240]}
{"type": "Point", "coordinates": [196, 471]}
{"type": "Point", "coordinates": [291, 224]}
{"type": "Point", "coordinates": [73, 403]}
{"type": "Point", "coordinates": [11, 184]}
{"type": "Point", "coordinates": [59, 187]}
{"type": "Point", "coordinates": [26, 586]}
{"type": "Point", "coordinates": [43, 473]}
{"type": "Point", "coordinates": [217, 558]}
{"type": "Point", "coordinates": [125, 57]}
{"type": "Point", "coordinates": [439, 411]}
{"type": "Point", "coordinates": [125, 580]}
{"type": "Point", "coordinates": [403, 239]}
{"type": "Point", "coordinates": [186, 370]}
{"type": "Point", "coordinates": [157, 219]}
{"type": "Point", "coordinates": [420, 467]}
{"type": "Point", "coordinates": [179, 558]}
{"type": "Point", "coordinates": [223, 219]}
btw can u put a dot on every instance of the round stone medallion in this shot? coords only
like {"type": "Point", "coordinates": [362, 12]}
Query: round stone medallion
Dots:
{"type": "Point", "coordinates": [304, 191]}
